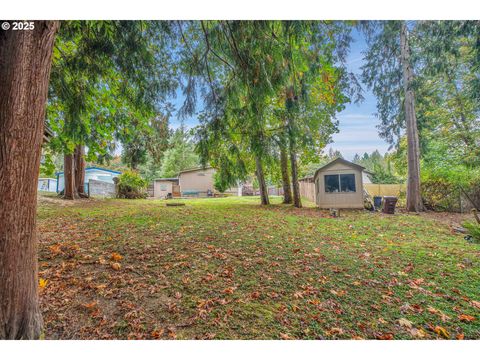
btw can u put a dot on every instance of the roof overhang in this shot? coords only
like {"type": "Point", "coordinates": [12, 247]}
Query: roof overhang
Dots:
{"type": "Point", "coordinates": [341, 161]}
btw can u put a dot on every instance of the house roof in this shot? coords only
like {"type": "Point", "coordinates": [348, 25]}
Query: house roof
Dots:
{"type": "Point", "coordinates": [342, 161]}
{"type": "Point", "coordinates": [96, 168]}
{"type": "Point", "coordinates": [166, 179]}
{"type": "Point", "coordinates": [195, 169]}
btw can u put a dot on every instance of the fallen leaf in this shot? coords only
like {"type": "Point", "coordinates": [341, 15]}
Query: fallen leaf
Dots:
{"type": "Point", "coordinates": [116, 257]}
{"type": "Point", "coordinates": [466, 318]}
{"type": "Point", "coordinates": [387, 336]}
{"type": "Point", "coordinates": [418, 333]}
{"type": "Point", "coordinates": [157, 334]}
{"type": "Point", "coordinates": [42, 283]}
{"type": "Point", "coordinates": [405, 322]}
{"type": "Point", "coordinates": [116, 266]}
{"type": "Point", "coordinates": [90, 306]}
{"type": "Point", "coordinates": [229, 290]}
{"type": "Point", "coordinates": [285, 337]}
{"type": "Point", "coordinates": [334, 331]}
{"type": "Point", "coordinates": [476, 304]}
{"type": "Point", "coordinates": [442, 332]}
{"type": "Point", "coordinates": [460, 336]}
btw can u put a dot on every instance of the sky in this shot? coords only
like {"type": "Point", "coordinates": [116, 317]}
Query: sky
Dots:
{"type": "Point", "coordinates": [357, 124]}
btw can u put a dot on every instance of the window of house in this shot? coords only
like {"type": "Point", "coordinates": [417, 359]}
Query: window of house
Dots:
{"type": "Point", "coordinates": [340, 183]}
{"type": "Point", "coordinates": [163, 187]}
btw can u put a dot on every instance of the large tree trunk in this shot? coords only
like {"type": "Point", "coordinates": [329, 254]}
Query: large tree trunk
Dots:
{"type": "Point", "coordinates": [25, 62]}
{"type": "Point", "coordinates": [79, 159]}
{"type": "Point", "coordinates": [297, 201]}
{"type": "Point", "coordinates": [70, 190]}
{"type": "Point", "coordinates": [414, 197]}
{"type": "Point", "coordinates": [261, 182]}
{"type": "Point", "coordinates": [287, 190]}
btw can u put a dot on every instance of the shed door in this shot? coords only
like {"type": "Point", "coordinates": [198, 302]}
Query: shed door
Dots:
{"type": "Point", "coordinates": [176, 190]}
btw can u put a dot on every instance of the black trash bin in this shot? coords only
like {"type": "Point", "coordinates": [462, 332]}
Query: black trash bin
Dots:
{"type": "Point", "coordinates": [389, 203]}
{"type": "Point", "coordinates": [377, 202]}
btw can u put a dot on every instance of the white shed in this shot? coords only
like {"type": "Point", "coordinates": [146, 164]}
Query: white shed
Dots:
{"type": "Point", "coordinates": [339, 184]}
{"type": "Point", "coordinates": [47, 184]}
{"type": "Point", "coordinates": [94, 173]}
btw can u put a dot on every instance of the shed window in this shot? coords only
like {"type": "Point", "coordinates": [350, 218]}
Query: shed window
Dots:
{"type": "Point", "coordinates": [331, 183]}
{"type": "Point", "coordinates": [163, 187]}
{"type": "Point", "coordinates": [340, 183]}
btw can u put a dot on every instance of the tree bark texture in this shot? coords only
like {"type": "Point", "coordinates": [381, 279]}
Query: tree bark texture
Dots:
{"type": "Point", "coordinates": [414, 197]}
{"type": "Point", "coordinates": [70, 190]}
{"type": "Point", "coordinates": [261, 182]}
{"type": "Point", "coordinates": [297, 200]}
{"type": "Point", "coordinates": [287, 190]}
{"type": "Point", "coordinates": [79, 158]}
{"type": "Point", "coordinates": [25, 62]}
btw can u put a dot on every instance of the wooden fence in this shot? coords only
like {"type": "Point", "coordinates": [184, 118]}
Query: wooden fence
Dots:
{"type": "Point", "coordinates": [307, 189]}
{"type": "Point", "coordinates": [384, 189]}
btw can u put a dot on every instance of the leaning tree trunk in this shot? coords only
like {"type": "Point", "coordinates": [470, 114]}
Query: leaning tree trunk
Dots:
{"type": "Point", "coordinates": [261, 182]}
{"type": "Point", "coordinates": [414, 197]}
{"type": "Point", "coordinates": [25, 62]}
{"type": "Point", "coordinates": [70, 189]}
{"type": "Point", "coordinates": [79, 159]}
{"type": "Point", "coordinates": [287, 190]}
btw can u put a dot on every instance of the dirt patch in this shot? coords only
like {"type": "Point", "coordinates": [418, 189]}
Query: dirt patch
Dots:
{"type": "Point", "coordinates": [451, 219]}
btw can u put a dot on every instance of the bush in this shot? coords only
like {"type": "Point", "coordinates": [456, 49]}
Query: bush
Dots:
{"type": "Point", "coordinates": [473, 230]}
{"type": "Point", "coordinates": [131, 186]}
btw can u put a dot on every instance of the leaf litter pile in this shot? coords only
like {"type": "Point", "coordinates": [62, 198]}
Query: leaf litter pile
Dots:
{"type": "Point", "coordinates": [230, 269]}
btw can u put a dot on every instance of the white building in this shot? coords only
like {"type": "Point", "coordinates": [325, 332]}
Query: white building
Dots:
{"type": "Point", "coordinates": [94, 173]}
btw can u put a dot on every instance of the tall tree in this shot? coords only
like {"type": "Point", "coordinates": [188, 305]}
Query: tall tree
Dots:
{"type": "Point", "coordinates": [106, 73]}
{"type": "Point", "coordinates": [414, 196]}
{"type": "Point", "coordinates": [389, 71]}
{"type": "Point", "coordinates": [24, 74]}
{"type": "Point", "coordinates": [180, 155]}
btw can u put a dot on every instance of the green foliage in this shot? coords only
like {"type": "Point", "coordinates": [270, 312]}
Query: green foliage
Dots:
{"type": "Point", "coordinates": [104, 74]}
{"type": "Point", "coordinates": [219, 183]}
{"type": "Point", "coordinates": [131, 186]}
{"type": "Point", "coordinates": [380, 166]}
{"type": "Point", "coordinates": [473, 230]}
{"type": "Point", "coordinates": [180, 155]}
{"type": "Point", "coordinates": [47, 166]}
{"type": "Point", "coordinates": [264, 80]}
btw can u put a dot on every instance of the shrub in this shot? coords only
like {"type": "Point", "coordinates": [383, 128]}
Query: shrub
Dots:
{"type": "Point", "coordinates": [131, 186]}
{"type": "Point", "coordinates": [473, 230]}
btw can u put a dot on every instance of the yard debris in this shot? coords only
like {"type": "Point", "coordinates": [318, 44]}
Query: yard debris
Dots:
{"type": "Point", "coordinates": [466, 318]}
{"type": "Point", "coordinates": [406, 323]}
{"type": "Point", "coordinates": [116, 266]}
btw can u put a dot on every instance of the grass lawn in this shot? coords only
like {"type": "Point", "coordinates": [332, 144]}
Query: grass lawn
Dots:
{"type": "Point", "coordinates": [231, 269]}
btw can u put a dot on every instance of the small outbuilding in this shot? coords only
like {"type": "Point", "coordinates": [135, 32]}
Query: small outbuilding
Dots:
{"type": "Point", "coordinates": [91, 173]}
{"type": "Point", "coordinates": [197, 182]}
{"type": "Point", "coordinates": [47, 184]}
{"type": "Point", "coordinates": [166, 187]}
{"type": "Point", "coordinates": [339, 184]}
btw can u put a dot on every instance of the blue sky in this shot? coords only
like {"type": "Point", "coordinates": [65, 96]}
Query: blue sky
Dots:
{"type": "Point", "coordinates": [357, 124]}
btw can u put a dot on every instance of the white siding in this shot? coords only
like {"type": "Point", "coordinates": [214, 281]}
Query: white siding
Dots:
{"type": "Point", "coordinates": [95, 174]}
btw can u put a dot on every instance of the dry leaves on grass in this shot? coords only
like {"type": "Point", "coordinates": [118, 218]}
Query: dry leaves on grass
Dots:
{"type": "Point", "coordinates": [442, 332]}
{"type": "Point", "coordinates": [466, 318]}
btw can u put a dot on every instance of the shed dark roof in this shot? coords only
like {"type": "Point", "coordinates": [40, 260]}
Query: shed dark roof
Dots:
{"type": "Point", "coordinates": [166, 179]}
{"type": "Point", "coordinates": [342, 161]}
